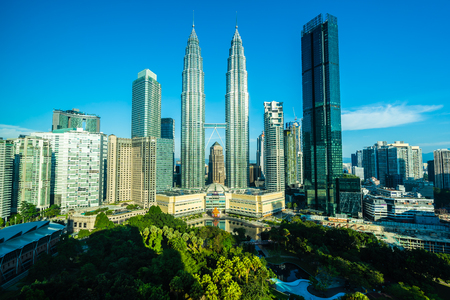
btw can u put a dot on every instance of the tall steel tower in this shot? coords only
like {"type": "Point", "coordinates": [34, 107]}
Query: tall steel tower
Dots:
{"type": "Point", "coordinates": [193, 117]}
{"type": "Point", "coordinates": [236, 108]}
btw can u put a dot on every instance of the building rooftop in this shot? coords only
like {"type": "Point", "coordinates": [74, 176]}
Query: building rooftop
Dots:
{"type": "Point", "coordinates": [17, 236]}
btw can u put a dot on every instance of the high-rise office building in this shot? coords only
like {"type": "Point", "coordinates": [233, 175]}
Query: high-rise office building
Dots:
{"type": "Point", "coordinates": [442, 168]}
{"type": "Point", "coordinates": [164, 164]}
{"type": "Point", "coordinates": [168, 132]}
{"type": "Point", "coordinates": [119, 170]}
{"type": "Point", "coordinates": [32, 172]}
{"type": "Point", "coordinates": [75, 119]}
{"type": "Point", "coordinates": [146, 106]}
{"type": "Point", "coordinates": [216, 164]}
{"type": "Point", "coordinates": [168, 129]}
{"type": "Point", "coordinates": [357, 159]}
{"type": "Point", "coordinates": [260, 154]}
{"type": "Point", "coordinates": [193, 116]}
{"type": "Point", "coordinates": [430, 170]}
{"type": "Point", "coordinates": [274, 146]}
{"type": "Point", "coordinates": [236, 116]}
{"type": "Point", "coordinates": [322, 138]}
{"type": "Point", "coordinates": [6, 177]}
{"type": "Point", "coordinates": [79, 167]}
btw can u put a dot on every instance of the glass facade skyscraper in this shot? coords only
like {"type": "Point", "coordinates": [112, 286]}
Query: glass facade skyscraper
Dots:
{"type": "Point", "coordinates": [236, 117]}
{"type": "Point", "coordinates": [146, 106]}
{"type": "Point", "coordinates": [322, 138]}
{"type": "Point", "coordinates": [193, 116]}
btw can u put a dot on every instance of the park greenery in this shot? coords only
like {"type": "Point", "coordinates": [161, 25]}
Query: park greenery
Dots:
{"type": "Point", "coordinates": [158, 256]}
{"type": "Point", "coordinates": [361, 259]}
{"type": "Point", "coordinates": [154, 256]}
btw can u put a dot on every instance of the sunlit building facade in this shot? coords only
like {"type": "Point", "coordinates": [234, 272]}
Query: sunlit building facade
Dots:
{"type": "Point", "coordinates": [6, 177]}
{"type": "Point", "coordinates": [146, 106]}
{"type": "Point", "coordinates": [32, 172]}
{"type": "Point", "coordinates": [79, 167]}
{"type": "Point", "coordinates": [236, 116]}
{"type": "Point", "coordinates": [119, 169]}
{"type": "Point", "coordinates": [192, 116]}
{"type": "Point", "coordinates": [274, 146]}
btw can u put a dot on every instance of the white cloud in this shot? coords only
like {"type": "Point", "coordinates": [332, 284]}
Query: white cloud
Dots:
{"type": "Point", "coordinates": [383, 116]}
{"type": "Point", "coordinates": [11, 131]}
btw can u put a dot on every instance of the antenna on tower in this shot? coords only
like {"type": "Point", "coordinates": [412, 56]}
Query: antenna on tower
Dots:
{"type": "Point", "coordinates": [236, 21]}
{"type": "Point", "coordinates": [294, 114]}
{"type": "Point", "coordinates": [193, 18]}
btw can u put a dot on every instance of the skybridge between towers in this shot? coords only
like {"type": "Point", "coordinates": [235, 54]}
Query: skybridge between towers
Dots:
{"type": "Point", "coordinates": [214, 126]}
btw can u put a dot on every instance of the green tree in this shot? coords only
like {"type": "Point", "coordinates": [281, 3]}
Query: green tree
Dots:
{"type": "Point", "coordinates": [102, 222]}
{"type": "Point", "coordinates": [295, 206]}
{"type": "Point", "coordinates": [28, 211]}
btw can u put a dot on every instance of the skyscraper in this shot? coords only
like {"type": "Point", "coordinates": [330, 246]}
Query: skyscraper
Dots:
{"type": "Point", "coordinates": [74, 118]}
{"type": "Point", "coordinates": [236, 116]}
{"type": "Point", "coordinates": [193, 116]}
{"type": "Point", "coordinates": [295, 137]}
{"type": "Point", "coordinates": [260, 154]}
{"type": "Point", "coordinates": [6, 177]}
{"type": "Point", "coordinates": [78, 167]}
{"type": "Point", "coordinates": [290, 156]}
{"type": "Point", "coordinates": [274, 146]}
{"type": "Point", "coordinates": [146, 106]}
{"type": "Point", "coordinates": [216, 164]}
{"type": "Point", "coordinates": [357, 159]}
{"type": "Point", "coordinates": [168, 128]}
{"type": "Point", "coordinates": [168, 132]}
{"type": "Point", "coordinates": [143, 171]}
{"type": "Point", "coordinates": [442, 168]}
{"type": "Point", "coordinates": [119, 169]}
{"type": "Point", "coordinates": [322, 138]}
{"type": "Point", "coordinates": [164, 164]}
{"type": "Point", "coordinates": [32, 172]}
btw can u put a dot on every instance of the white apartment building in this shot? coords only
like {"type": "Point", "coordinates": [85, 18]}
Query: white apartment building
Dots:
{"type": "Point", "coordinates": [79, 162]}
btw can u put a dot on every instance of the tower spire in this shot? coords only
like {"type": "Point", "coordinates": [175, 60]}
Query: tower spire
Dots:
{"type": "Point", "coordinates": [236, 21]}
{"type": "Point", "coordinates": [193, 19]}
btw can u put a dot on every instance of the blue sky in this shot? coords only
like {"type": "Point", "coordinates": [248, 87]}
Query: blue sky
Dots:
{"type": "Point", "coordinates": [394, 63]}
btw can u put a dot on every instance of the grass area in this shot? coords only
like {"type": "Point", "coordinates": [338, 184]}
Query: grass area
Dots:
{"type": "Point", "coordinates": [277, 295]}
{"type": "Point", "coordinates": [305, 264]}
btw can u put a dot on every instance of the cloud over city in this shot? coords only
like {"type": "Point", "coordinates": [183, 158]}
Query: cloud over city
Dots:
{"type": "Point", "coordinates": [384, 116]}
{"type": "Point", "coordinates": [11, 131]}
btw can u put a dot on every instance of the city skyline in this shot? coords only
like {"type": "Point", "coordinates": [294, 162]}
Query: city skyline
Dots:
{"type": "Point", "coordinates": [402, 104]}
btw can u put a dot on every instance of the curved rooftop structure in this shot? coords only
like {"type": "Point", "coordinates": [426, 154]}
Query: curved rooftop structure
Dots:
{"type": "Point", "coordinates": [216, 187]}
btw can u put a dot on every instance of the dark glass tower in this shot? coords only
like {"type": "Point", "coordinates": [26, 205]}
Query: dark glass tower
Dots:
{"type": "Point", "coordinates": [322, 139]}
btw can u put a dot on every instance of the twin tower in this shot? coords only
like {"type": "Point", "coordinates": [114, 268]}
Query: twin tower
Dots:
{"type": "Point", "coordinates": [193, 117]}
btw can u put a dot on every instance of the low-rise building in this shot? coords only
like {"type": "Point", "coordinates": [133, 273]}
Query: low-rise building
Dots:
{"type": "Point", "coordinates": [399, 209]}
{"type": "Point", "coordinates": [80, 221]}
{"type": "Point", "coordinates": [247, 202]}
{"type": "Point", "coordinates": [21, 246]}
